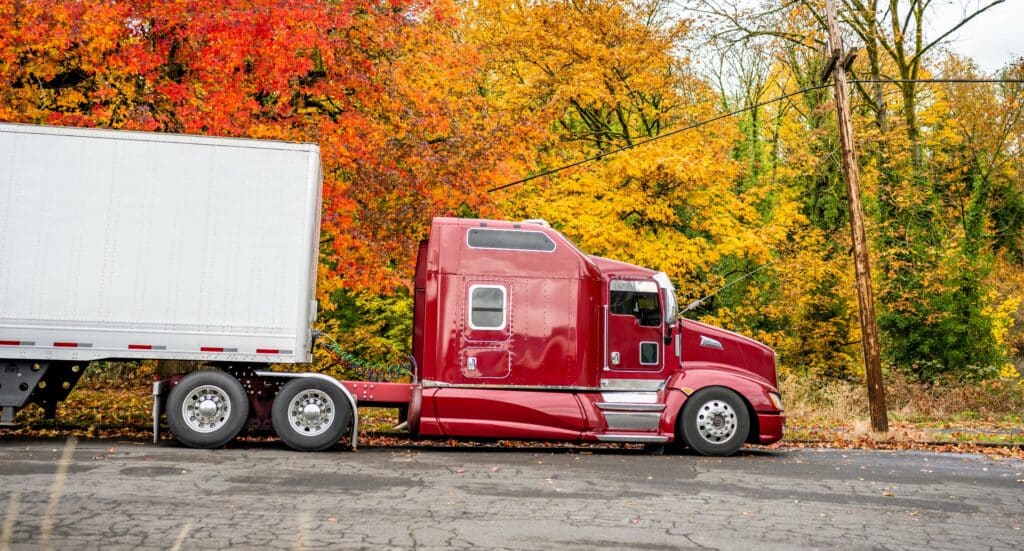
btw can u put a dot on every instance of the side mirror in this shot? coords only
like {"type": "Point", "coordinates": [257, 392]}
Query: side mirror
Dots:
{"type": "Point", "coordinates": [671, 309]}
{"type": "Point", "coordinates": [668, 297]}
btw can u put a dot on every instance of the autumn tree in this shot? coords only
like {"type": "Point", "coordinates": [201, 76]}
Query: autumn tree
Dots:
{"type": "Point", "coordinates": [602, 76]}
{"type": "Point", "coordinates": [975, 150]}
{"type": "Point", "coordinates": [802, 302]}
{"type": "Point", "coordinates": [937, 311]}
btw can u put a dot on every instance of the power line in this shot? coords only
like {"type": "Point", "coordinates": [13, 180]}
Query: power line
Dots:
{"type": "Point", "coordinates": [699, 302]}
{"type": "Point", "coordinates": [655, 138]}
{"type": "Point", "coordinates": [599, 156]}
{"type": "Point", "coordinates": [940, 80]}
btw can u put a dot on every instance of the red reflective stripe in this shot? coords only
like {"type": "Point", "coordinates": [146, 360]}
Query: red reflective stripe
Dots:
{"type": "Point", "coordinates": [66, 344]}
{"type": "Point", "coordinates": [10, 343]}
{"type": "Point", "coordinates": [211, 349]}
{"type": "Point", "coordinates": [140, 347]}
{"type": "Point", "coordinates": [267, 351]}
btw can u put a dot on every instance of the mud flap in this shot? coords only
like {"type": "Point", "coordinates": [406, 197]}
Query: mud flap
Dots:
{"type": "Point", "coordinates": [158, 387]}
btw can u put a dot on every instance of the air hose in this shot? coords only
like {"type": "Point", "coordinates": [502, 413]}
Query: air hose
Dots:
{"type": "Point", "coordinates": [365, 370]}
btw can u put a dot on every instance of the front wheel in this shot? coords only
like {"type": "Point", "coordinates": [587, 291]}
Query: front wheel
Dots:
{"type": "Point", "coordinates": [714, 422]}
{"type": "Point", "coordinates": [310, 414]}
{"type": "Point", "coordinates": [207, 409]}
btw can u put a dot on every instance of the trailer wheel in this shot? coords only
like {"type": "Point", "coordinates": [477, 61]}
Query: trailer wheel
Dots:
{"type": "Point", "coordinates": [310, 414]}
{"type": "Point", "coordinates": [207, 409]}
{"type": "Point", "coordinates": [714, 422]}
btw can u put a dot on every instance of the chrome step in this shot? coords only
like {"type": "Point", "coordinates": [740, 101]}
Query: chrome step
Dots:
{"type": "Point", "coordinates": [634, 438]}
{"type": "Point", "coordinates": [632, 420]}
{"type": "Point", "coordinates": [623, 406]}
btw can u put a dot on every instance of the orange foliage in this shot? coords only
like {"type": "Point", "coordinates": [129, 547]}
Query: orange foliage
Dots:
{"type": "Point", "coordinates": [386, 88]}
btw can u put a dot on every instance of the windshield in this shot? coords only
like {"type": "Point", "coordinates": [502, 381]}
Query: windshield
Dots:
{"type": "Point", "coordinates": [671, 306]}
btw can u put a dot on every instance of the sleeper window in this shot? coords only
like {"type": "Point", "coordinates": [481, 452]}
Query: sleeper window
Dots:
{"type": "Point", "coordinates": [519, 240]}
{"type": "Point", "coordinates": [487, 304]}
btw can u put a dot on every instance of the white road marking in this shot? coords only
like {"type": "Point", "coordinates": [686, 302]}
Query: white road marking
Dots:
{"type": "Point", "coordinates": [302, 532]}
{"type": "Point", "coordinates": [56, 492]}
{"type": "Point", "coordinates": [181, 537]}
{"type": "Point", "coordinates": [9, 518]}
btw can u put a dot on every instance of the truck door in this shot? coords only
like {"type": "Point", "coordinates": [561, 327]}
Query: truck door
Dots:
{"type": "Point", "coordinates": [634, 336]}
{"type": "Point", "coordinates": [485, 354]}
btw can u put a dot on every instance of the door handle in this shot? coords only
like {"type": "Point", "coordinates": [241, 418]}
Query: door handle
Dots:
{"type": "Point", "coordinates": [615, 358]}
{"type": "Point", "coordinates": [471, 364]}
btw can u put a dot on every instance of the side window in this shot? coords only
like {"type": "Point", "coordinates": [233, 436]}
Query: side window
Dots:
{"type": "Point", "coordinates": [648, 353]}
{"type": "Point", "coordinates": [638, 299]}
{"type": "Point", "coordinates": [487, 306]}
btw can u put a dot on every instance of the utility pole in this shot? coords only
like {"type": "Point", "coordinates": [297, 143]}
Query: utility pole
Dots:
{"type": "Point", "coordinates": [837, 65]}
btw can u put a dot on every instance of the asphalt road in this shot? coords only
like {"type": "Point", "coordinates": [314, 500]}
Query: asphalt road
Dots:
{"type": "Point", "coordinates": [106, 494]}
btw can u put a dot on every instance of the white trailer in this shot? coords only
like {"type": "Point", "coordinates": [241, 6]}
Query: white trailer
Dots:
{"type": "Point", "coordinates": [132, 245]}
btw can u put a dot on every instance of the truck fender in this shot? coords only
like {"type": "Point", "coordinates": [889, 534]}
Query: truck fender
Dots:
{"type": "Point", "coordinates": [331, 380]}
{"type": "Point", "coordinates": [697, 375]}
{"type": "Point", "coordinates": [674, 399]}
{"type": "Point", "coordinates": [752, 389]}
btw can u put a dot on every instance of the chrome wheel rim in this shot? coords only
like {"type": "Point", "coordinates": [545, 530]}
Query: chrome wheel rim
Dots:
{"type": "Point", "coordinates": [716, 422]}
{"type": "Point", "coordinates": [206, 408]}
{"type": "Point", "coordinates": [311, 412]}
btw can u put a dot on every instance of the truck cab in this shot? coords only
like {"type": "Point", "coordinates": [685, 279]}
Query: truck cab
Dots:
{"type": "Point", "coordinates": [519, 334]}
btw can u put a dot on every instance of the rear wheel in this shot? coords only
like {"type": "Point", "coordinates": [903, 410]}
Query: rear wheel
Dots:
{"type": "Point", "coordinates": [714, 422]}
{"type": "Point", "coordinates": [207, 409]}
{"type": "Point", "coordinates": [310, 414]}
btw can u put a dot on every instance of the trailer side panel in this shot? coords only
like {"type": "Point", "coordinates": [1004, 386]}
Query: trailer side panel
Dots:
{"type": "Point", "coordinates": [137, 245]}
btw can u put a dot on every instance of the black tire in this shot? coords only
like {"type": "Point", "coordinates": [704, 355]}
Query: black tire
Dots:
{"type": "Point", "coordinates": [329, 417]}
{"type": "Point", "coordinates": [715, 422]}
{"type": "Point", "coordinates": [197, 425]}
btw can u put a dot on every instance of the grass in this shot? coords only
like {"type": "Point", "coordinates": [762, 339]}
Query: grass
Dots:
{"type": "Point", "coordinates": [982, 412]}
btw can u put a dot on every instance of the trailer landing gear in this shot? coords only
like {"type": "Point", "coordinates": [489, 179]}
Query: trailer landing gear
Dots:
{"type": "Point", "coordinates": [45, 383]}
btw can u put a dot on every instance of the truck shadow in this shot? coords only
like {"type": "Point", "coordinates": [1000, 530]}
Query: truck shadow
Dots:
{"type": "Point", "coordinates": [387, 442]}
{"type": "Point", "coordinates": [383, 442]}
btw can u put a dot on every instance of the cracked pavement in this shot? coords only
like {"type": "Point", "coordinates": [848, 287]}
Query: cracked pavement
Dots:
{"type": "Point", "coordinates": [108, 494]}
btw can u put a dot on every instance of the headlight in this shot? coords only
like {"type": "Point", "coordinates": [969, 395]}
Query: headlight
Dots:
{"type": "Point", "coordinates": [776, 400]}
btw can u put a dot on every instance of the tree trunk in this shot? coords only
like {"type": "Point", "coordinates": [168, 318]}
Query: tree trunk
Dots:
{"type": "Point", "coordinates": [877, 93]}
{"type": "Point", "coordinates": [168, 368]}
{"type": "Point", "coordinates": [910, 116]}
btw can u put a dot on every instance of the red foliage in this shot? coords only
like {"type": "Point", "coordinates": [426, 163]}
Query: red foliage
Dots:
{"type": "Point", "coordinates": [386, 89]}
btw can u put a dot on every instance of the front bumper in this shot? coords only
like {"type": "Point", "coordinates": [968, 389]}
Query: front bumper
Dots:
{"type": "Point", "coordinates": [769, 427]}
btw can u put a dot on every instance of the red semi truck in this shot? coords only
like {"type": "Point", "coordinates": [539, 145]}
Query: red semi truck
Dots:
{"type": "Point", "coordinates": [143, 246]}
{"type": "Point", "coordinates": [519, 335]}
